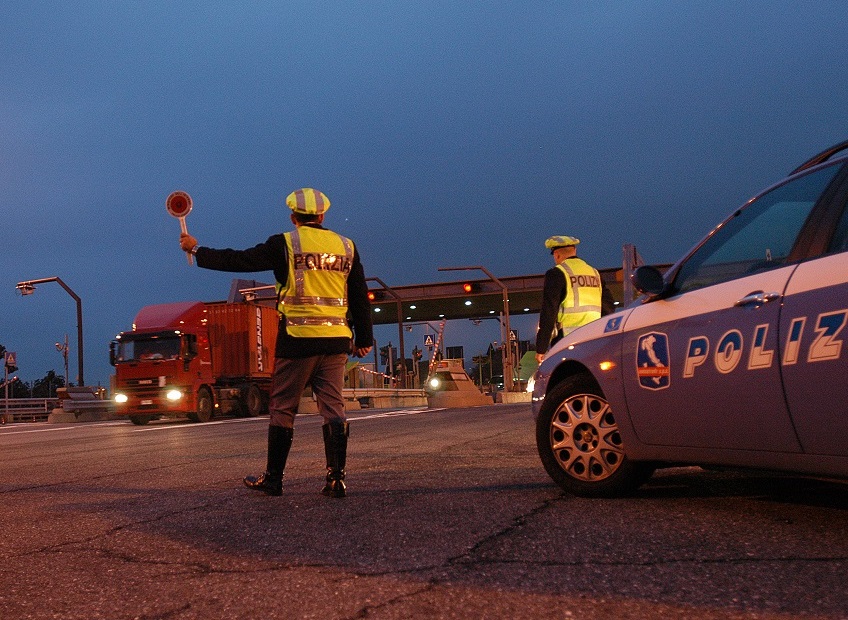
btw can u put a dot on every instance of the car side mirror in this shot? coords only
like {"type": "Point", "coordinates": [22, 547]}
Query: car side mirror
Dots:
{"type": "Point", "coordinates": [648, 281]}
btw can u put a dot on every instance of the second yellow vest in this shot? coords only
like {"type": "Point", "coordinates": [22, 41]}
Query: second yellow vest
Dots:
{"type": "Point", "coordinates": [582, 303]}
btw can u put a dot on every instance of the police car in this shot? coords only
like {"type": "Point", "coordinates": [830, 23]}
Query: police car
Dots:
{"type": "Point", "coordinates": [736, 356]}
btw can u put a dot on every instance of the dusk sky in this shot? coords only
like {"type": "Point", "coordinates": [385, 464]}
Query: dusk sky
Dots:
{"type": "Point", "coordinates": [444, 133]}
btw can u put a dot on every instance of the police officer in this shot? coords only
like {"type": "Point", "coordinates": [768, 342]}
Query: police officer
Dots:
{"type": "Point", "coordinates": [321, 291]}
{"type": "Point", "coordinates": [573, 294]}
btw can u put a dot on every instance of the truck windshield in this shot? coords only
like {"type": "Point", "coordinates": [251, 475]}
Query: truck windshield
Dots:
{"type": "Point", "coordinates": [156, 348]}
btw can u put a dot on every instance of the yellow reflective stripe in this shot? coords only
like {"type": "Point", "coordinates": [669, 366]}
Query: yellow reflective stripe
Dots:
{"type": "Point", "coordinates": [315, 301]}
{"type": "Point", "coordinates": [348, 246]}
{"type": "Point", "coordinates": [316, 320]}
{"type": "Point", "coordinates": [578, 309]}
{"type": "Point", "coordinates": [298, 273]}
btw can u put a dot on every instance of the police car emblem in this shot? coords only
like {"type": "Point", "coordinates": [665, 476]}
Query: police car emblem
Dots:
{"type": "Point", "coordinates": [652, 363]}
{"type": "Point", "coordinates": [613, 324]}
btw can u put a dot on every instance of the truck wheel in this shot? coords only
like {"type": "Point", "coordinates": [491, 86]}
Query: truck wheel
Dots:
{"type": "Point", "coordinates": [140, 420]}
{"type": "Point", "coordinates": [580, 445]}
{"type": "Point", "coordinates": [205, 406]}
{"type": "Point", "coordinates": [254, 402]}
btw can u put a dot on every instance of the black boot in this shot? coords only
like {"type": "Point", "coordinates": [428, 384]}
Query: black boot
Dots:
{"type": "Point", "coordinates": [279, 443]}
{"type": "Point", "coordinates": [335, 448]}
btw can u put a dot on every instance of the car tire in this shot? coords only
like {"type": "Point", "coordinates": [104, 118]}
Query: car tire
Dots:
{"type": "Point", "coordinates": [580, 445]}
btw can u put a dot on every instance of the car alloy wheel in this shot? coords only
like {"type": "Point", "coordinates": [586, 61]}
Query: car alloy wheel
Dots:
{"type": "Point", "coordinates": [585, 439]}
{"type": "Point", "coordinates": [579, 442]}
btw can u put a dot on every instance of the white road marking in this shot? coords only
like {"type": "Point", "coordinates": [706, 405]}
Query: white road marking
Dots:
{"type": "Point", "coordinates": [164, 427]}
{"type": "Point", "coordinates": [182, 426]}
{"type": "Point", "coordinates": [54, 429]}
{"type": "Point", "coordinates": [392, 414]}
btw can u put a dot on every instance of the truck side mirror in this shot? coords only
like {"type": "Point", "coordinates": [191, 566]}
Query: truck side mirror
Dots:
{"type": "Point", "coordinates": [112, 356]}
{"type": "Point", "coordinates": [189, 346]}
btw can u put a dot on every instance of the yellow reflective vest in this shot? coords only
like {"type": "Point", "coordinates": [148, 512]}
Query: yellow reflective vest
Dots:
{"type": "Point", "coordinates": [314, 300]}
{"type": "Point", "coordinates": [582, 303]}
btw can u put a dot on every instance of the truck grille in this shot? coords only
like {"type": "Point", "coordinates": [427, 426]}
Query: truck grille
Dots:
{"type": "Point", "coordinates": [145, 393]}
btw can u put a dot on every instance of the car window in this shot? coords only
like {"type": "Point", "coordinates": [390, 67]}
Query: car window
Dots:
{"type": "Point", "coordinates": [756, 238]}
{"type": "Point", "coordinates": [840, 239]}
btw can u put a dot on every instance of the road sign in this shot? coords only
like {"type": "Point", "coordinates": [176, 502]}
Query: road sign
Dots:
{"type": "Point", "coordinates": [11, 359]}
{"type": "Point", "coordinates": [178, 204]}
{"type": "Point", "coordinates": [428, 341]}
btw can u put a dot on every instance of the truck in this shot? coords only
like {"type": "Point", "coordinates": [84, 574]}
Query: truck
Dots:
{"type": "Point", "coordinates": [195, 359]}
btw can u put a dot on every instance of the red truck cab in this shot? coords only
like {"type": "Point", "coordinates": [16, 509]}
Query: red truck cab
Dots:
{"type": "Point", "coordinates": [163, 366]}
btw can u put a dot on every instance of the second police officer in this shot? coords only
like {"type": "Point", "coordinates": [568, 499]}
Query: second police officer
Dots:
{"type": "Point", "coordinates": [573, 294]}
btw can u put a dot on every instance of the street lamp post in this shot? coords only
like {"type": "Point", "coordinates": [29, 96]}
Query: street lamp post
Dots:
{"type": "Point", "coordinates": [507, 352]}
{"type": "Point", "coordinates": [63, 349]}
{"type": "Point", "coordinates": [28, 288]}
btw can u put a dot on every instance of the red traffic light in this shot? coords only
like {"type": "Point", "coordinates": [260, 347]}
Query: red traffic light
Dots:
{"type": "Point", "coordinates": [467, 287]}
{"type": "Point", "coordinates": [371, 296]}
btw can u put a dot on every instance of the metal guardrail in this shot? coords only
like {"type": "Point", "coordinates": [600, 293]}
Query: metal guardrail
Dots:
{"type": "Point", "coordinates": [27, 409]}
{"type": "Point", "coordinates": [82, 406]}
{"type": "Point", "coordinates": [386, 397]}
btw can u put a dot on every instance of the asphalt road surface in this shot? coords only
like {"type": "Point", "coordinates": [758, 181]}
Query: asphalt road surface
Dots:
{"type": "Point", "coordinates": [449, 515]}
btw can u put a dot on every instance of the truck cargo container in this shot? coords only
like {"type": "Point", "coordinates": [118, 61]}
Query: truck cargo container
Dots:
{"type": "Point", "coordinates": [195, 359]}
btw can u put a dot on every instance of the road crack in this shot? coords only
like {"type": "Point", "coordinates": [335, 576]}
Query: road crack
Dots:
{"type": "Point", "coordinates": [462, 561]}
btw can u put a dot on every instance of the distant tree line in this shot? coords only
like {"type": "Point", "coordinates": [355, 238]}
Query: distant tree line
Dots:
{"type": "Point", "coordinates": [40, 388]}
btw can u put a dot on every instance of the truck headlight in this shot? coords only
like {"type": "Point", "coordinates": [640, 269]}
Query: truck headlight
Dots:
{"type": "Point", "coordinates": [121, 398]}
{"type": "Point", "coordinates": [174, 395]}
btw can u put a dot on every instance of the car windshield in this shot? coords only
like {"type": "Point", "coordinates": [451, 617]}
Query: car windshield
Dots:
{"type": "Point", "coordinates": [758, 237]}
{"type": "Point", "coordinates": [152, 348]}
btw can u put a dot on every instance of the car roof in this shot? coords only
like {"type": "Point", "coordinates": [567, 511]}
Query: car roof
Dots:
{"type": "Point", "coordinates": [821, 157]}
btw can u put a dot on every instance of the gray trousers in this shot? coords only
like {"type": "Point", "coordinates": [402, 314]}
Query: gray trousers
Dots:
{"type": "Point", "coordinates": [291, 375]}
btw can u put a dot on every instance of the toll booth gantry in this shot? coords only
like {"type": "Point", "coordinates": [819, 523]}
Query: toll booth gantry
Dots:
{"type": "Point", "coordinates": [466, 299]}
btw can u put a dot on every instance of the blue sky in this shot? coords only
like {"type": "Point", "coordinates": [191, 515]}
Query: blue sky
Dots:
{"type": "Point", "coordinates": [444, 133]}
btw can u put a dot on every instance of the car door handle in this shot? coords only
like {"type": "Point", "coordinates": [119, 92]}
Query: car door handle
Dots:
{"type": "Point", "coordinates": [757, 298]}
